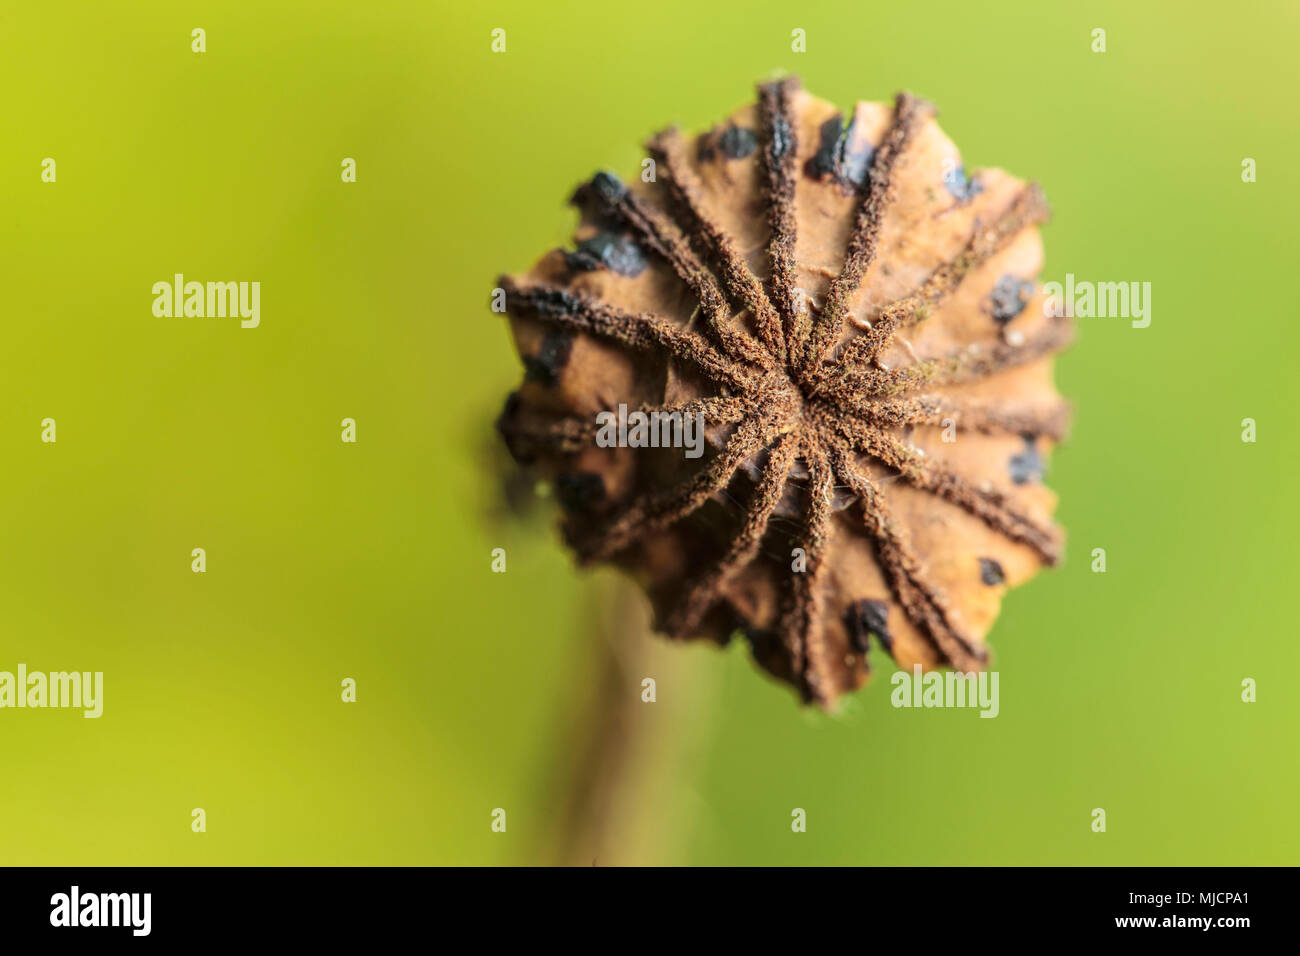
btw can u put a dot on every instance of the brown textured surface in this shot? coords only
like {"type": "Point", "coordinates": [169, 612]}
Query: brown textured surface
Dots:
{"type": "Point", "coordinates": [828, 317]}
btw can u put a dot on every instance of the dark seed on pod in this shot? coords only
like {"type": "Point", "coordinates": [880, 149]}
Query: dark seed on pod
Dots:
{"type": "Point", "coordinates": [1026, 466]}
{"type": "Point", "coordinates": [737, 142]}
{"type": "Point", "coordinates": [823, 162]}
{"type": "Point", "coordinates": [855, 166]}
{"type": "Point", "coordinates": [520, 450]}
{"type": "Point", "coordinates": [1009, 298]}
{"type": "Point", "coordinates": [764, 647]}
{"type": "Point", "coordinates": [608, 187]}
{"type": "Point", "coordinates": [962, 189]}
{"type": "Point", "coordinates": [991, 572]}
{"type": "Point", "coordinates": [865, 618]}
{"type": "Point", "coordinates": [833, 158]}
{"type": "Point", "coordinates": [579, 490]}
{"type": "Point", "coordinates": [606, 249]}
{"type": "Point", "coordinates": [545, 367]}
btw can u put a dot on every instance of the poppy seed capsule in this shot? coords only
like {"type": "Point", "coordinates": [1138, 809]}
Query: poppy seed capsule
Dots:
{"type": "Point", "coordinates": [828, 295]}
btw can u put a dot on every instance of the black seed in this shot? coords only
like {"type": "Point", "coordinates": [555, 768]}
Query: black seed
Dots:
{"type": "Point", "coordinates": [1026, 466]}
{"type": "Point", "coordinates": [625, 257]}
{"type": "Point", "coordinates": [608, 187]}
{"type": "Point", "coordinates": [580, 260]}
{"type": "Point", "coordinates": [1009, 298]}
{"type": "Point", "coordinates": [606, 249]}
{"type": "Point", "coordinates": [579, 490]}
{"type": "Point", "coordinates": [962, 189]}
{"type": "Point", "coordinates": [991, 572]}
{"type": "Point", "coordinates": [598, 198]}
{"type": "Point", "coordinates": [737, 142]}
{"type": "Point", "coordinates": [865, 618]}
{"type": "Point", "coordinates": [549, 362]}
{"type": "Point", "coordinates": [824, 161]}
{"type": "Point", "coordinates": [855, 165]}
{"type": "Point", "coordinates": [833, 158]}
{"type": "Point", "coordinates": [520, 449]}
{"type": "Point", "coordinates": [766, 649]}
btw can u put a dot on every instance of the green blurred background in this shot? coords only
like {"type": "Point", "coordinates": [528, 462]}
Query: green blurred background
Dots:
{"type": "Point", "coordinates": [371, 560]}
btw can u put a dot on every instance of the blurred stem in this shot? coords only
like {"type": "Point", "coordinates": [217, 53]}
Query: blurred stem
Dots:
{"type": "Point", "coordinates": [625, 800]}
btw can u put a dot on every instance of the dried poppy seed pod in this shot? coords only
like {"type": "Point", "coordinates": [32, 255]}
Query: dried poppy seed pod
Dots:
{"type": "Point", "coordinates": [859, 326]}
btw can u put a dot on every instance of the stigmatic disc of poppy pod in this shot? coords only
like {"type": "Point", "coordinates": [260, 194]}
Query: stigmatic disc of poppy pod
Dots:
{"type": "Point", "coordinates": [796, 377]}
